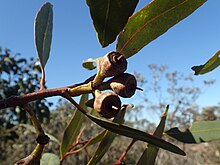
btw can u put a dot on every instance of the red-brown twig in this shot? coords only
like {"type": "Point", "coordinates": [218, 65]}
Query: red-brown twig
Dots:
{"type": "Point", "coordinates": [119, 161]}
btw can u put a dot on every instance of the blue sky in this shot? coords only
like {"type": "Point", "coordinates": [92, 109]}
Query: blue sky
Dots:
{"type": "Point", "coordinates": [191, 42]}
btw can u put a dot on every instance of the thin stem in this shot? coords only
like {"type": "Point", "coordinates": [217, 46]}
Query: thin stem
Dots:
{"type": "Point", "coordinates": [119, 161]}
{"type": "Point", "coordinates": [74, 90]}
{"type": "Point", "coordinates": [42, 81]}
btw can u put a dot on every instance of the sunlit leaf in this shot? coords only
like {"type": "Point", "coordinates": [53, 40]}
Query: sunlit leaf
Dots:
{"type": "Point", "coordinates": [109, 17]}
{"type": "Point", "coordinates": [203, 131]}
{"type": "Point", "coordinates": [150, 153]}
{"type": "Point", "coordinates": [90, 63]}
{"type": "Point", "coordinates": [135, 134]}
{"type": "Point", "coordinates": [43, 32]}
{"type": "Point", "coordinates": [210, 65]}
{"type": "Point", "coordinates": [152, 21]}
{"type": "Point", "coordinates": [73, 128]}
{"type": "Point", "coordinates": [49, 159]}
{"type": "Point", "coordinates": [107, 140]}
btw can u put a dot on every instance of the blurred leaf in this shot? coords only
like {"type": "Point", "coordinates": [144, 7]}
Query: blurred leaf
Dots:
{"type": "Point", "coordinates": [49, 159]}
{"type": "Point", "coordinates": [89, 64]}
{"type": "Point", "coordinates": [109, 17]}
{"type": "Point", "coordinates": [43, 32]}
{"type": "Point", "coordinates": [152, 21]}
{"type": "Point", "coordinates": [73, 128]}
{"type": "Point", "coordinates": [203, 131]}
{"type": "Point", "coordinates": [135, 134]}
{"type": "Point", "coordinates": [210, 65]}
{"type": "Point", "coordinates": [150, 153]}
{"type": "Point", "coordinates": [32, 129]}
{"type": "Point", "coordinates": [94, 140]}
{"type": "Point", "coordinates": [107, 139]}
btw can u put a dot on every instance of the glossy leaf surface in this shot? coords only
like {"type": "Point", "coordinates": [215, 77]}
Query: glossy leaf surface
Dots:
{"type": "Point", "coordinates": [203, 131]}
{"type": "Point", "coordinates": [210, 65]}
{"type": "Point", "coordinates": [43, 32]}
{"type": "Point", "coordinates": [152, 21]}
{"type": "Point", "coordinates": [73, 128]}
{"type": "Point", "coordinates": [109, 17]}
{"type": "Point", "coordinates": [135, 134]}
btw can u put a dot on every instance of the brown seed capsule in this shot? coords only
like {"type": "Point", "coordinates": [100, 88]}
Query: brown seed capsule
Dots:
{"type": "Point", "coordinates": [107, 104]}
{"type": "Point", "coordinates": [112, 64]}
{"type": "Point", "coordinates": [124, 85]}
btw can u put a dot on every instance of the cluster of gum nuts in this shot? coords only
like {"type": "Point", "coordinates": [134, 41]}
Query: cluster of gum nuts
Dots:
{"type": "Point", "coordinates": [108, 104]}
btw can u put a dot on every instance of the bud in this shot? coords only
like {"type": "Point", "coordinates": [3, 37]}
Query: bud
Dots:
{"type": "Point", "coordinates": [112, 64]}
{"type": "Point", "coordinates": [124, 85]}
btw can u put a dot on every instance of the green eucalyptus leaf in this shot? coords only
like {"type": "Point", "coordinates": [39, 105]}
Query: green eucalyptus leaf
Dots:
{"type": "Point", "coordinates": [150, 153]}
{"type": "Point", "coordinates": [107, 140]}
{"type": "Point", "coordinates": [43, 32]}
{"type": "Point", "coordinates": [72, 130]}
{"type": "Point", "coordinates": [210, 65]}
{"type": "Point", "coordinates": [49, 159]}
{"type": "Point", "coordinates": [152, 21]}
{"type": "Point", "coordinates": [33, 130]}
{"type": "Point", "coordinates": [89, 64]}
{"type": "Point", "coordinates": [109, 17]}
{"type": "Point", "coordinates": [203, 131]}
{"type": "Point", "coordinates": [135, 134]}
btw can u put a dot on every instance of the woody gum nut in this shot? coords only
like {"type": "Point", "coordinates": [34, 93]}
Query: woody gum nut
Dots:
{"type": "Point", "coordinates": [107, 104]}
{"type": "Point", "coordinates": [124, 85]}
{"type": "Point", "coordinates": [113, 64]}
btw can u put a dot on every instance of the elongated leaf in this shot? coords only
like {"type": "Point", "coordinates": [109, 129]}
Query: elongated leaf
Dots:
{"type": "Point", "coordinates": [109, 17]}
{"type": "Point", "coordinates": [203, 131]}
{"type": "Point", "coordinates": [107, 140]}
{"type": "Point", "coordinates": [49, 159]}
{"type": "Point", "coordinates": [32, 129]}
{"type": "Point", "coordinates": [150, 153]}
{"type": "Point", "coordinates": [43, 32]}
{"type": "Point", "coordinates": [210, 65]}
{"type": "Point", "coordinates": [152, 21]}
{"type": "Point", "coordinates": [135, 134]}
{"type": "Point", "coordinates": [73, 128]}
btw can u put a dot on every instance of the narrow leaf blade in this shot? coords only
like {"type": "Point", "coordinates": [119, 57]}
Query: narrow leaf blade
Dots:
{"type": "Point", "coordinates": [135, 134]}
{"type": "Point", "coordinates": [203, 131]}
{"type": "Point", "coordinates": [210, 65]}
{"type": "Point", "coordinates": [73, 128]}
{"type": "Point", "coordinates": [43, 32]}
{"type": "Point", "coordinates": [109, 17]}
{"type": "Point", "coordinates": [107, 140]}
{"type": "Point", "coordinates": [152, 21]}
{"type": "Point", "coordinates": [150, 153]}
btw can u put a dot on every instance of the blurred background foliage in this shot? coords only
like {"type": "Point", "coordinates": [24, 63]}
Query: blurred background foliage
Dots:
{"type": "Point", "coordinates": [19, 76]}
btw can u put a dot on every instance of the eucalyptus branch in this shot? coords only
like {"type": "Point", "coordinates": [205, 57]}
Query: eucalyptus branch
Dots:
{"type": "Point", "coordinates": [74, 90]}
